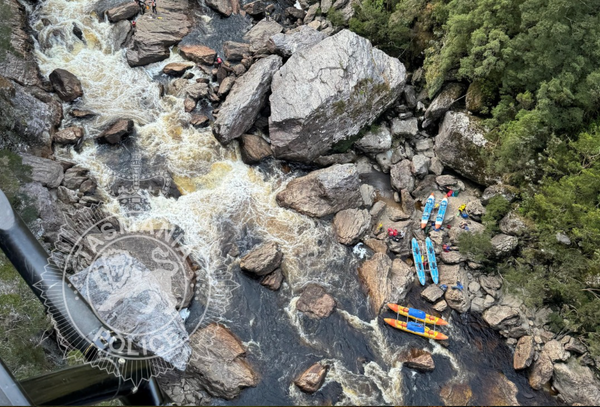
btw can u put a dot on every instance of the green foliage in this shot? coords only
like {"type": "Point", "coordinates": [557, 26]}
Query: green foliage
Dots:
{"type": "Point", "coordinates": [13, 173]}
{"type": "Point", "coordinates": [6, 16]}
{"type": "Point", "coordinates": [495, 210]}
{"type": "Point", "coordinates": [477, 246]}
{"type": "Point", "coordinates": [23, 322]}
{"type": "Point", "coordinates": [336, 18]}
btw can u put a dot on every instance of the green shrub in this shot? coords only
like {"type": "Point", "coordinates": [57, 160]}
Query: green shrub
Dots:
{"type": "Point", "coordinates": [336, 18]}
{"type": "Point", "coordinates": [495, 210]}
{"type": "Point", "coordinates": [477, 246]}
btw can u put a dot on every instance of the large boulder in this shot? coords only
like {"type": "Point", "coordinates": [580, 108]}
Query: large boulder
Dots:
{"type": "Point", "coordinates": [541, 371]}
{"type": "Point", "coordinates": [402, 176]}
{"type": "Point", "coordinates": [28, 119]}
{"type": "Point", "coordinates": [312, 378]}
{"type": "Point", "coordinates": [576, 384]}
{"type": "Point", "coordinates": [47, 172]}
{"type": "Point", "coordinates": [260, 34]}
{"type": "Point", "coordinates": [66, 85]}
{"type": "Point", "coordinates": [123, 12]}
{"type": "Point", "coordinates": [315, 303]}
{"type": "Point", "coordinates": [323, 192]}
{"type": "Point", "coordinates": [442, 103]}
{"type": "Point", "coordinates": [327, 93]}
{"type": "Point", "coordinates": [220, 362]}
{"type": "Point", "coordinates": [504, 244]}
{"type": "Point", "coordinates": [262, 260]}
{"type": "Point", "coordinates": [350, 225]}
{"type": "Point", "coordinates": [246, 98]}
{"type": "Point", "coordinates": [524, 352]}
{"type": "Point", "coordinates": [19, 62]}
{"type": "Point", "coordinates": [556, 351]}
{"type": "Point", "coordinates": [295, 40]}
{"type": "Point", "coordinates": [254, 148]}
{"type": "Point", "coordinates": [385, 280]}
{"type": "Point", "coordinates": [153, 37]}
{"type": "Point", "coordinates": [461, 145]}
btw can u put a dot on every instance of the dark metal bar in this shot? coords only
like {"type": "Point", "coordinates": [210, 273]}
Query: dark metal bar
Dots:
{"type": "Point", "coordinates": [11, 392]}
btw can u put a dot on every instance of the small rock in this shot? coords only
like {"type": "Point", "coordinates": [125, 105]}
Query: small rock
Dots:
{"type": "Point", "coordinates": [375, 141]}
{"type": "Point", "coordinates": [273, 281]}
{"type": "Point", "coordinates": [315, 302]}
{"type": "Point", "coordinates": [222, 6]}
{"type": "Point", "coordinates": [563, 239]}
{"type": "Point", "coordinates": [66, 85]}
{"type": "Point", "coordinates": [254, 148]}
{"type": "Point", "coordinates": [66, 195]}
{"type": "Point", "coordinates": [189, 104]}
{"type": "Point", "coordinates": [452, 257]}
{"type": "Point", "coordinates": [122, 12]}
{"type": "Point", "coordinates": [432, 293]}
{"type": "Point", "coordinates": [436, 166]}
{"type": "Point", "coordinates": [239, 70]}
{"type": "Point", "coordinates": [199, 120]}
{"type": "Point", "coordinates": [82, 114]}
{"type": "Point", "coordinates": [198, 53]}
{"type": "Point", "coordinates": [513, 224]}
{"type": "Point", "coordinates": [312, 378]}
{"type": "Point", "coordinates": [368, 193]}
{"type": "Point", "coordinates": [262, 260]}
{"type": "Point", "coordinates": [376, 245]}
{"type": "Point", "coordinates": [575, 346]}
{"type": "Point", "coordinates": [524, 352]}
{"type": "Point", "coordinates": [440, 306]}
{"type": "Point", "coordinates": [177, 68]}
{"type": "Point", "coordinates": [405, 128]}
{"type": "Point", "coordinates": [442, 103]}
{"type": "Point", "coordinates": [508, 192]}
{"type": "Point", "coordinates": [225, 86]}
{"type": "Point", "coordinates": [418, 359]}
{"type": "Point", "coordinates": [256, 8]}
{"type": "Point", "coordinates": [70, 135]}
{"type": "Point", "coordinates": [116, 132]}
{"type": "Point", "coordinates": [498, 314]}
{"type": "Point", "coordinates": [474, 286]}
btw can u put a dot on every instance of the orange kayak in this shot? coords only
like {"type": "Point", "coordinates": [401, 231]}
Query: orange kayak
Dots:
{"type": "Point", "coordinates": [417, 314]}
{"type": "Point", "coordinates": [417, 329]}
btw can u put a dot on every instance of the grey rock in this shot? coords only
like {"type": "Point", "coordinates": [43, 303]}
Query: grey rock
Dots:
{"type": "Point", "coordinates": [384, 160]}
{"type": "Point", "coordinates": [442, 102]}
{"type": "Point", "coordinates": [51, 216]}
{"type": "Point", "coordinates": [513, 224]}
{"type": "Point", "coordinates": [405, 128]}
{"type": "Point", "coordinates": [350, 225]}
{"type": "Point", "coordinates": [420, 165]}
{"type": "Point", "coordinates": [461, 145]}
{"type": "Point", "coordinates": [490, 284]}
{"type": "Point", "coordinates": [246, 98]}
{"type": "Point", "coordinates": [74, 177]}
{"type": "Point", "coordinates": [556, 351]}
{"type": "Point", "coordinates": [134, 304]}
{"type": "Point", "coordinates": [423, 144]}
{"type": "Point", "coordinates": [153, 37]}
{"type": "Point", "coordinates": [224, 7]}
{"type": "Point", "coordinates": [575, 346]}
{"type": "Point", "coordinates": [345, 8]}
{"type": "Point", "coordinates": [220, 363]}
{"type": "Point", "coordinates": [563, 239]}
{"type": "Point", "coordinates": [410, 96]}
{"type": "Point", "coordinates": [432, 293]}
{"type": "Point", "coordinates": [312, 378]}
{"type": "Point", "coordinates": [323, 192]}
{"type": "Point", "coordinates": [458, 300]}
{"type": "Point", "coordinates": [311, 13]}
{"type": "Point", "coordinates": [328, 92]}
{"type": "Point", "coordinates": [450, 182]}
{"type": "Point", "coordinates": [260, 34]}
{"type": "Point", "coordinates": [326, 5]}
{"type": "Point", "coordinates": [262, 260]}
{"type": "Point", "coordinates": [225, 86]}
{"type": "Point", "coordinates": [488, 301]}
{"type": "Point", "coordinates": [452, 257]}
{"type": "Point", "coordinates": [256, 8]}
{"type": "Point", "coordinates": [401, 176]}
{"type": "Point", "coordinates": [368, 193]}
{"type": "Point", "coordinates": [504, 244]}
{"type": "Point", "coordinates": [123, 12]}
{"type": "Point", "coordinates": [120, 34]}
{"type": "Point", "coordinates": [508, 192]}
{"type": "Point", "coordinates": [292, 41]}
{"type": "Point", "coordinates": [375, 141]}
{"type": "Point", "coordinates": [496, 315]}
{"type": "Point", "coordinates": [200, 90]}
{"type": "Point", "coordinates": [342, 158]}
{"type": "Point", "coordinates": [524, 353]}
{"type": "Point", "coordinates": [541, 371]}
{"type": "Point", "coordinates": [47, 172]}
{"type": "Point", "coordinates": [66, 85]}
{"type": "Point", "coordinates": [576, 384]}
{"type": "Point", "coordinates": [315, 302]}
{"type": "Point", "coordinates": [294, 13]}
{"type": "Point", "coordinates": [475, 209]}
{"type": "Point", "coordinates": [66, 195]}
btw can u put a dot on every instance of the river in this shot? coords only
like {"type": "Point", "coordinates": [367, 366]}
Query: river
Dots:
{"type": "Point", "coordinates": [223, 201]}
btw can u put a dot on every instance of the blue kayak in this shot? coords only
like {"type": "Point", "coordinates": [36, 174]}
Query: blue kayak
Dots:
{"type": "Point", "coordinates": [427, 211]}
{"type": "Point", "coordinates": [439, 219]}
{"type": "Point", "coordinates": [418, 261]}
{"type": "Point", "coordinates": [433, 268]}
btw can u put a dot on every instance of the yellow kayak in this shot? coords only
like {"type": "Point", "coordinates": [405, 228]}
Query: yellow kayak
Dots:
{"type": "Point", "coordinates": [417, 314]}
{"type": "Point", "coordinates": [417, 329]}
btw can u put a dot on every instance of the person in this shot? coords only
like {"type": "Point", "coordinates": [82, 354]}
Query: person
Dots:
{"type": "Point", "coordinates": [446, 247]}
{"type": "Point", "coordinates": [133, 24]}
{"type": "Point", "coordinates": [142, 5]}
{"type": "Point", "coordinates": [219, 60]}
{"type": "Point", "coordinates": [458, 286]}
{"type": "Point", "coordinates": [464, 225]}
{"type": "Point", "coordinates": [463, 211]}
{"type": "Point", "coordinates": [153, 6]}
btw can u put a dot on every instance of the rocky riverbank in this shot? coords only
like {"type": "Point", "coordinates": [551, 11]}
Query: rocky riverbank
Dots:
{"type": "Point", "coordinates": [372, 147]}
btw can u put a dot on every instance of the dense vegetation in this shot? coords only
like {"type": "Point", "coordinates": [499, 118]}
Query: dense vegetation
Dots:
{"type": "Point", "coordinates": [535, 67]}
